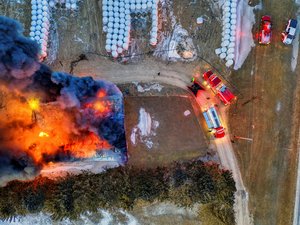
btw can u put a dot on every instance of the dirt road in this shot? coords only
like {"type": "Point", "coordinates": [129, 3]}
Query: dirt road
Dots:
{"type": "Point", "coordinates": [229, 161]}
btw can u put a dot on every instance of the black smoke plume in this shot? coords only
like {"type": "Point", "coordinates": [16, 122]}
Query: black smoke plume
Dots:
{"type": "Point", "coordinates": [21, 72]}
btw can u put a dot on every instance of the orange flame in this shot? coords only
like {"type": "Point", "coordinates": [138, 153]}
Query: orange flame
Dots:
{"type": "Point", "coordinates": [53, 131]}
{"type": "Point", "coordinates": [43, 134]}
{"type": "Point", "coordinates": [101, 93]}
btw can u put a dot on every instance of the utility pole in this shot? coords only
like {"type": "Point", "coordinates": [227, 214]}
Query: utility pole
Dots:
{"type": "Point", "coordinates": [242, 138]}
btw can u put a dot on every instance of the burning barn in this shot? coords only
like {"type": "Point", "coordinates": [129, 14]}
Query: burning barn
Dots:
{"type": "Point", "coordinates": [48, 116]}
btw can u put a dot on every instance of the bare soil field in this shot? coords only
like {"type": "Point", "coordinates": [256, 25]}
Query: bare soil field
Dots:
{"type": "Point", "coordinates": [178, 137]}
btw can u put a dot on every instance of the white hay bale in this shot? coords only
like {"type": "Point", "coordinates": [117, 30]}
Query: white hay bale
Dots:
{"type": "Point", "coordinates": [226, 4]}
{"type": "Point", "coordinates": [218, 51]}
{"type": "Point", "coordinates": [226, 9]}
{"type": "Point", "coordinates": [110, 24]}
{"type": "Point", "coordinates": [233, 10]}
{"type": "Point", "coordinates": [120, 43]}
{"type": "Point", "coordinates": [114, 54]}
{"type": "Point", "coordinates": [227, 26]}
{"type": "Point", "coordinates": [229, 63]}
{"type": "Point", "coordinates": [125, 46]}
{"type": "Point", "coordinates": [223, 55]}
{"type": "Point", "coordinates": [226, 20]}
{"type": "Point", "coordinates": [227, 31]}
{"type": "Point", "coordinates": [113, 47]}
{"type": "Point", "coordinates": [108, 42]}
{"type": "Point", "coordinates": [230, 56]}
{"type": "Point", "coordinates": [120, 50]}
{"type": "Point", "coordinates": [231, 45]}
{"type": "Point", "coordinates": [230, 50]}
{"type": "Point", "coordinates": [153, 41]}
{"type": "Point", "coordinates": [225, 43]}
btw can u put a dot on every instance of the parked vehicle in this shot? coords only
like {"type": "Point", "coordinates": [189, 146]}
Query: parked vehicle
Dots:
{"type": "Point", "coordinates": [289, 34]}
{"type": "Point", "coordinates": [265, 32]}
{"type": "Point", "coordinates": [213, 122]}
{"type": "Point", "coordinates": [216, 84]}
{"type": "Point", "coordinates": [195, 87]}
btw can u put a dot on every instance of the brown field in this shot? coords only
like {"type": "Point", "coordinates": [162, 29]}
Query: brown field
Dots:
{"type": "Point", "coordinates": [178, 137]}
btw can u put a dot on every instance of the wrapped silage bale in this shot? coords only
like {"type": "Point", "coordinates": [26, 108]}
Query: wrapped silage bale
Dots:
{"type": "Point", "coordinates": [218, 51]}
{"type": "Point", "coordinates": [223, 49]}
{"type": "Point", "coordinates": [223, 55]}
{"type": "Point", "coordinates": [114, 53]}
{"type": "Point", "coordinates": [229, 63]}
{"type": "Point", "coordinates": [120, 50]}
{"type": "Point", "coordinates": [125, 46]}
{"type": "Point", "coordinates": [230, 50]}
{"type": "Point", "coordinates": [231, 45]}
{"type": "Point", "coordinates": [153, 41]}
{"type": "Point", "coordinates": [225, 43]}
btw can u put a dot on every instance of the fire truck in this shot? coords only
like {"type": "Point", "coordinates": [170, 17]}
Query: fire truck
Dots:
{"type": "Point", "coordinates": [218, 87]}
{"type": "Point", "coordinates": [213, 122]}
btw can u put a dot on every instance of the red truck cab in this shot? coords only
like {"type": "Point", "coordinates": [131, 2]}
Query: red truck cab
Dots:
{"type": "Point", "coordinates": [265, 32]}
{"type": "Point", "coordinates": [222, 91]}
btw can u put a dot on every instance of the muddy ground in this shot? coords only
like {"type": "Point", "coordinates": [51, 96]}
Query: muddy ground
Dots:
{"type": "Point", "coordinates": [177, 137]}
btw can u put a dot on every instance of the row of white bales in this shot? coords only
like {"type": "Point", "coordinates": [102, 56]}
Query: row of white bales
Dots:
{"type": "Point", "coordinates": [40, 20]}
{"type": "Point", "coordinates": [117, 24]}
{"type": "Point", "coordinates": [229, 32]}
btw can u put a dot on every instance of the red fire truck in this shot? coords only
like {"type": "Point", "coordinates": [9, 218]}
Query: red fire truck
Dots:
{"type": "Point", "coordinates": [213, 122]}
{"type": "Point", "coordinates": [218, 87]}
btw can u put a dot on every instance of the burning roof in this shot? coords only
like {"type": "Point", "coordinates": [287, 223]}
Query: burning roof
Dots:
{"type": "Point", "coordinates": [50, 116]}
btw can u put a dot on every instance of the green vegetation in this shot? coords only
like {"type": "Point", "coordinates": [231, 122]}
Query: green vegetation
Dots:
{"type": "Point", "coordinates": [181, 183]}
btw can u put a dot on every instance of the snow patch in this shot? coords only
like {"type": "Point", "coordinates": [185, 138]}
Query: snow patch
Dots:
{"type": "Point", "coordinates": [259, 6]}
{"type": "Point", "coordinates": [177, 46]}
{"type": "Point", "coordinates": [107, 218]}
{"type": "Point", "coordinates": [131, 219]}
{"type": "Point", "coordinates": [145, 129]}
{"type": "Point", "coordinates": [200, 20]}
{"type": "Point", "coordinates": [187, 112]}
{"type": "Point", "coordinates": [148, 87]}
{"type": "Point", "coordinates": [164, 208]}
{"type": "Point", "coordinates": [244, 42]}
{"type": "Point", "coordinates": [278, 106]}
{"type": "Point", "coordinates": [101, 217]}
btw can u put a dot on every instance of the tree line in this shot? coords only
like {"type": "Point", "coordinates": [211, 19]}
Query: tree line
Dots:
{"type": "Point", "coordinates": [182, 183]}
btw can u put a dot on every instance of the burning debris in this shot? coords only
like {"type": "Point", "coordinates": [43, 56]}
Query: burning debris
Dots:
{"type": "Point", "coordinates": [49, 116]}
